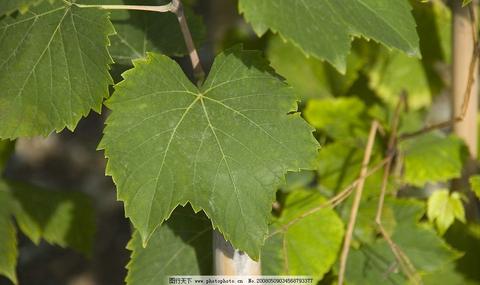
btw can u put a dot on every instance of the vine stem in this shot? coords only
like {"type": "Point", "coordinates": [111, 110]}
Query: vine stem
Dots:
{"type": "Point", "coordinates": [335, 200]}
{"type": "Point", "coordinates": [356, 201]}
{"type": "Point", "coordinates": [402, 259]}
{"type": "Point", "coordinates": [160, 9]}
{"type": "Point", "coordinates": [174, 7]}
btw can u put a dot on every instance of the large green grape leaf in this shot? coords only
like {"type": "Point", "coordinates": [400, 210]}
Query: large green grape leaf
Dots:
{"type": "Point", "coordinates": [310, 246]}
{"type": "Point", "coordinates": [223, 147]}
{"type": "Point", "coordinates": [138, 32]}
{"type": "Point", "coordinates": [181, 246]}
{"type": "Point", "coordinates": [374, 262]}
{"type": "Point", "coordinates": [59, 217]}
{"type": "Point", "coordinates": [324, 29]}
{"type": "Point", "coordinates": [8, 237]}
{"type": "Point", "coordinates": [53, 68]}
{"type": "Point", "coordinates": [442, 155]}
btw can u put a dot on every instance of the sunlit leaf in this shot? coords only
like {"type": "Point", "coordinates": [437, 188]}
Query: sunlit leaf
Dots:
{"type": "Point", "coordinates": [432, 157]}
{"type": "Point", "coordinates": [444, 208]}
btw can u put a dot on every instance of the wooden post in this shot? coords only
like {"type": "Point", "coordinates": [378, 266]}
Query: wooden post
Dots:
{"type": "Point", "coordinates": [462, 56]}
{"type": "Point", "coordinates": [228, 261]}
{"type": "Point", "coordinates": [463, 45]}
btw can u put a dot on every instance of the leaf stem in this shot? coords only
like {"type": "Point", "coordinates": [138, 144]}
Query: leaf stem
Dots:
{"type": "Point", "coordinates": [160, 9]}
{"type": "Point", "coordinates": [198, 71]}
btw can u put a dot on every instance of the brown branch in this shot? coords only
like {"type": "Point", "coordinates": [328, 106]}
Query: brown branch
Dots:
{"type": "Point", "coordinates": [468, 91]}
{"type": "Point", "coordinates": [392, 141]}
{"type": "Point", "coordinates": [356, 202]}
{"type": "Point", "coordinates": [402, 258]}
{"type": "Point", "coordinates": [198, 71]}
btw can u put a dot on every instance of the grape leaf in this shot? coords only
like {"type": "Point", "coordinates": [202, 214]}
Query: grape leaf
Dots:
{"type": "Point", "coordinates": [374, 262]}
{"type": "Point", "coordinates": [138, 32]}
{"type": "Point", "coordinates": [444, 208]}
{"type": "Point", "coordinates": [475, 184]}
{"type": "Point", "coordinates": [181, 246]}
{"type": "Point", "coordinates": [436, 150]}
{"type": "Point", "coordinates": [62, 218]}
{"type": "Point", "coordinates": [310, 246]}
{"type": "Point", "coordinates": [324, 29]}
{"type": "Point", "coordinates": [224, 147]}
{"type": "Point", "coordinates": [53, 68]}
{"type": "Point", "coordinates": [8, 237]}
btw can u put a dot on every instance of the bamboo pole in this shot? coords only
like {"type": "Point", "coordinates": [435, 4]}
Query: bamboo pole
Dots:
{"type": "Point", "coordinates": [464, 35]}
{"type": "Point", "coordinates": [229, 261]}
{"type": "Point", "coordinates": [463, 44]}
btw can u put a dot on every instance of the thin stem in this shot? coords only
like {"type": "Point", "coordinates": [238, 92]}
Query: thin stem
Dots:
{"type": "Point", "coordinates": [390, 148]}
{"type": "Point", "coordinates": [198, 71]}
{"type": "Point", "coordinates": [160, 9]}
{"type": "Point", "coordinates": [356, 202]}
{"type": "Point", "coordinates": [401, 257]}
{"type": "Point", "coordinates": [332, 202]}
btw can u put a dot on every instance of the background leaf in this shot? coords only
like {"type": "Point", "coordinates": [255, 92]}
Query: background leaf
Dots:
{"type": "Point", "coordinates": [424, 153]}
{"type": "Point", "coordinates": [339, 118]}
{"type": "Point", "coordinates": [475, 184]}
{"type": "Point", "coordinates": [444, 208]}
{"type": "Point", "coordinates": [8, 237]}
{"type": "Point", "coordinates": [9, 6]}
{"type": "Point", "coordinates": [310, 77]}
{"type": "Point", "coordinates": [60, 217]}
{"type": "Point", "coordinates": [375, 262]}
{"type": "Point", "coordinates": [181, 246]}
{"type": "Point", "coordinates": [310, 247]}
